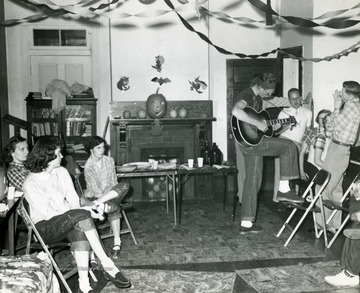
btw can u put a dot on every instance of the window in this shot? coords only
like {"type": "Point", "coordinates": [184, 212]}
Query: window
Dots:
{"type": "Point", "coordinates": [59, 38]}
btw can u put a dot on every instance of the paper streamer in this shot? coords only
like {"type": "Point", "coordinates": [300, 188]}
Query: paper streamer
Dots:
{"type": "Point", "coordinates": [346, 52]}
{"type": "Point", "coordinates": [304, 22]}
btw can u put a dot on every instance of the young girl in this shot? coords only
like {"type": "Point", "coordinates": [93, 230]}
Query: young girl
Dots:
{"type": "Point", "coordinates": [55, 210]}
{"type": "Point", "coordinates": [14, 155]}
{"type": "Point", "coordinates": [319, 146]}
{"type": "Point", "coordinates": [102, 185]}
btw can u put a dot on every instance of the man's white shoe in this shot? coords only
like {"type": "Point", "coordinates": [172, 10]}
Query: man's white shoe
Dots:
{"type": "Point", "coordinates": [343, 279]}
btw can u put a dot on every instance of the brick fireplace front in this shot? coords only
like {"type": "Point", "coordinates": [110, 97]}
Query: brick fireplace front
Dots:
{"type": "Point", "coordinates": [137, 140]}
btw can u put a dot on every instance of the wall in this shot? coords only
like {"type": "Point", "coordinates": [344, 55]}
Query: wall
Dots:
{"type": "Point", "coordinates": [133, 42]}
{"type": "Point", "coordinates": [328, 76]}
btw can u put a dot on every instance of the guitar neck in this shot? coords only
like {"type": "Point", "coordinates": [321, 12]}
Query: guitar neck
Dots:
{"type": "Point", "coordinates": [277, 121]}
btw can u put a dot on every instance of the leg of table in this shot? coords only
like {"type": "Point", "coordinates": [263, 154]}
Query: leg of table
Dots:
{"type": "Point", "coordinates": [167, 194]}
{"type": "Point", "coordinates": [225, 189]}
{"type": "Point", "coordinates": [174, 199]}
{"type": "Point", "coordinates": [180, 197]}
{"type": "Point", "coordinates": [11, 227]}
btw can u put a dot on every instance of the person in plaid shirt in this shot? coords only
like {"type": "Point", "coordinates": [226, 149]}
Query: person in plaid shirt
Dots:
{"type": "Point", "coordinates": [307, 140]}
{"type": "Point", "coordinates": [102, 185]}
{"type": "Point", "coordinates": [346, 118]}
{"type": "Point", "coordinates": [14, 155]}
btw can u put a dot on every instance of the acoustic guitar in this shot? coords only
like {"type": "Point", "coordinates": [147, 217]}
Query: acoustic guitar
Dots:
{"type": "Point", "coordinates": [248, 135]}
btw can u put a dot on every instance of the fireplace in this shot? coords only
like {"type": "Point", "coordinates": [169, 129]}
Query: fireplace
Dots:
{"type": "Point", "coordinates": [137, 140]}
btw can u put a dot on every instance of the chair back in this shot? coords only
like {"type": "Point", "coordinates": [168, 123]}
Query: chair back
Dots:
{"type": "Point", "coordinates": [322, 177]}
{"type": "Point", "coordinates": [80, 183]}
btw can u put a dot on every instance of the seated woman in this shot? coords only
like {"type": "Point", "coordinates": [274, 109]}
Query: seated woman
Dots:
{"type": "Point", "coordinates": [14, 155]}
{"type": "Point", "coordinates": [319, 147]}
{"type": "Point", "coordinates": [102, 185]}
{"type": "Point", "coordinates": [55, 210]}
{"type": "Point", "coordinates": [308, 169]}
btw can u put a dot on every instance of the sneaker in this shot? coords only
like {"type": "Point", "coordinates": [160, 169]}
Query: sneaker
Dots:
{"type": "Point", "coordinates": [253, 229]}
{"type": "Point", "coordinates": [343, 279]}
{"type": "Point", "coordinates": [353, 231]}
{"type": "Point", "coordinates": [289, 196]}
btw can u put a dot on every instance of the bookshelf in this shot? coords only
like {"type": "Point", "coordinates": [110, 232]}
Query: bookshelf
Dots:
{"type": "Point", "coordinates": [74, 123]}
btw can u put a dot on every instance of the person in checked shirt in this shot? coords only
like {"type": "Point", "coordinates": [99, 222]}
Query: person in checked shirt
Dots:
{"type": "Point", "coordinates": [14, 155]}
{"type": "Point", "coordinates": [102, 185]}
{"type": "Point", "coordinates": [346, 118]}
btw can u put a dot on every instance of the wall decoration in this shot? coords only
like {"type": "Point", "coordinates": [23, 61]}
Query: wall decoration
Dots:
{"type": "Point", "coordinates": [198, 85]}
{"type": "Point", "coordinates": [351, 49]}
{"type": "Point", "coordinates": [156, 105]}
{"type": "Point", "coordinates": [161, 80]}
{"type": "Point", "coordinates": [123, 83]}
{"type": "Point", "coordinates": [159, 61]}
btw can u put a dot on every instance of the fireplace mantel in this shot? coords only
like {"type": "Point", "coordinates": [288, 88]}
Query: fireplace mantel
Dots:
{"type": "Point", "coordinates": [128, 136]}
{"type": "Point", "coordinates": [137, 121]}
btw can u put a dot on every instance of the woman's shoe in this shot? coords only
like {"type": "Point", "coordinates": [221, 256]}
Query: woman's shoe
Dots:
{"type": "Point", "coordinates": [119, 280]}
{"type": "Point", "coordinates": [116, 251]}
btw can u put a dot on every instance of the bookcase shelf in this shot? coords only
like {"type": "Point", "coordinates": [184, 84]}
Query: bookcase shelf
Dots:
{"type": "Point", "coordinates": [75, 123]}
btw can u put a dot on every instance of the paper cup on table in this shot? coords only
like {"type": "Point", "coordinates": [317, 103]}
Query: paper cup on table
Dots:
{"type": "Point", "coordinates": [200, 162]}
{"type": "Point", "coordinates": [191, 163]}
{"type": "Point", "coordinates": [155, 164]}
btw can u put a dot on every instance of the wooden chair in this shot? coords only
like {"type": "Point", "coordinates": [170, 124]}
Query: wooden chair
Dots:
{"type": "Point", "coordinates": [321, 178]}
{"type": "Point", "coordinates": [80, 185]}
{"type": "Point", "coordinates": [337, 207]}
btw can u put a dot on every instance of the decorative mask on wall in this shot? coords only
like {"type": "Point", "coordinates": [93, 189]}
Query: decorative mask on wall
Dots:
{"type": "Point", "coordinates": [123, 83]}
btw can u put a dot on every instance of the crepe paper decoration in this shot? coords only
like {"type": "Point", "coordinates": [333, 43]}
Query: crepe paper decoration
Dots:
{"type": "Point", "coordinates": [159, 61]}
{"type": "Point", "coordinates": [161, 80]}
{"type": "Point", "coordinates": [304, 22]}
{"type": "Point", "coordinates": [351, 49]}
{"type": "Point", "coordinates": [123, 83]}
{"type": "Point", "coordinates": [198, 85]}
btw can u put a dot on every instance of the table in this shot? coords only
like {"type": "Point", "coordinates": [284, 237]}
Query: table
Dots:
{"type": "Point", "coordinates": [185, 173]}
{"type": "Point", "coordinates": [169, 173]}
{"type": "Point", "coordinates": [10, 215]}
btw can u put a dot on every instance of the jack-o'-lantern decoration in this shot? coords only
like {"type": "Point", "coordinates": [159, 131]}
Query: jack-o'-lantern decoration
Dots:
{"type": "Point", "coordinates": [156, 105]}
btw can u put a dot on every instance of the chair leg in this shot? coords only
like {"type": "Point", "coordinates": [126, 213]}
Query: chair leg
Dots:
{"type": "Point", "coordinates": [129, 227]}
{"type": "Point", "coordinates": [286, 222]}
{"type": "Point", "coordinates": [338, 231]}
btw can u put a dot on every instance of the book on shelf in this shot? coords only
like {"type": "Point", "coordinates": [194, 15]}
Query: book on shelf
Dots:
{"type": "Point", "coordinates": [45, 128]}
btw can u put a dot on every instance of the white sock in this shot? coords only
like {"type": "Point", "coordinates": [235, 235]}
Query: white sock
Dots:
{"type": "Point", "coordinates": [117, 241]}
{"type": "Point", "coordinates": [246, 224]}
{"type": "Point", "coordinates": [110, 267]}
{"type": "Point", "coordinates": [284, 186]}
{"type": "Point", "coordinates": [84, 285]}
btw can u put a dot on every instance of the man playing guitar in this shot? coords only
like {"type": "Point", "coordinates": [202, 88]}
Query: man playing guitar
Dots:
{"type": "Point", "coordinates": [262, 87]}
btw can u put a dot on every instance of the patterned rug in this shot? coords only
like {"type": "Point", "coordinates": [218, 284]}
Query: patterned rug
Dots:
{"type": "Point", "coordinates": [295, 278]}
{"type": "Point", "coordinates": [207, 234]}
{"type": "Point", "coordinates": [158, 281]}
{"type": "Point", "coordinates": [166, 253]}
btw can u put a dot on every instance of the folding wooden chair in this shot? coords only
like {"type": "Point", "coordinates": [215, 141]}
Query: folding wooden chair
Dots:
{"type": "Point", "coordinates": [337, 207]}
{"type": "Point", "coordinates": [80, 185]}
{"type": "Point", "coordinates": [321, 178]}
